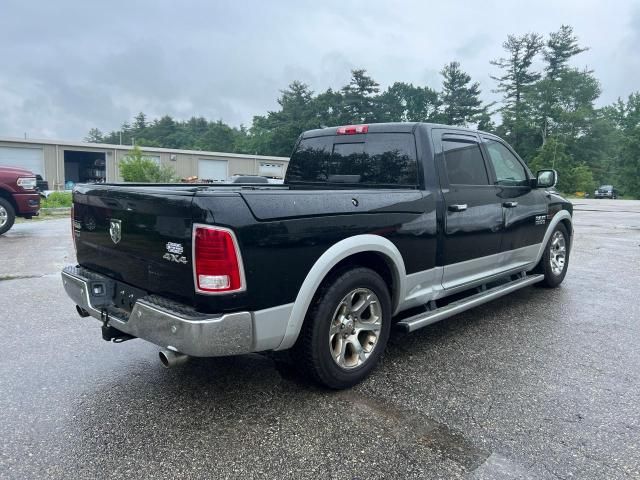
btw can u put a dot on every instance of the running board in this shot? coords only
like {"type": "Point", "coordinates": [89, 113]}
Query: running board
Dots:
{"type": "Point", "coordinates": [427, 318]}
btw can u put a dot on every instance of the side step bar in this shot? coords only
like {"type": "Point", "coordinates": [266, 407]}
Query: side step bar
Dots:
{"type": "Point", "coordinates": [427, 318]}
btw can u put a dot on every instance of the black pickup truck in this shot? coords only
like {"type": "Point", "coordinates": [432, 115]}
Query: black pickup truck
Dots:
{"type": "Point", "coordinates": [398, 224]}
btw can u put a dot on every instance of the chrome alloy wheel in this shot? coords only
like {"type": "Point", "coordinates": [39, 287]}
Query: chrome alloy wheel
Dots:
{"type": "Point", "coordinates": [355, 328]}
{"type": "Point", "coordinates": [4, 216]}
{"type": "Point", "coordinates": [557, 253]}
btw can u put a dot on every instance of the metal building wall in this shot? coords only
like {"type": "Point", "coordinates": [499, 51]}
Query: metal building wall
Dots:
{"type": "Point", "coordinates": [184, 163]}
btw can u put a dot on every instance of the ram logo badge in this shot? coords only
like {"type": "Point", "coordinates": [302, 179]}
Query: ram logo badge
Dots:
{"type": "Point", "coordinates": [174, 252]}
{"type": "Point", "coordinates": [115, 230]}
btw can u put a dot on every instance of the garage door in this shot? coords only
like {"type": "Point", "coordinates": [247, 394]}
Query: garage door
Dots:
{"type": "Point", "coordinates": [215, 170]}
{"type": "Point", "coordinates": [29, 158]}
{"type": "Point", "coordinates": [271, 170]}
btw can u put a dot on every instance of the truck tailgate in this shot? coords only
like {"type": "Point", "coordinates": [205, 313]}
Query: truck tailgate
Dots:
{"type": "Point", "coordinates": [137, 235]}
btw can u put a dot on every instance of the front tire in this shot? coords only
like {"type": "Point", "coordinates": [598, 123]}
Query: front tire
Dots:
{"type": "Point", "coordinates": [7, 216]}
{"type": "Point", "coordinates": [346, 330]}
{"type": "Point", "coordinates": [555, 260]}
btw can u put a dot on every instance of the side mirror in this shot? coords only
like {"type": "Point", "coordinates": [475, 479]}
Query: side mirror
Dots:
{"type": "Point", "coordinates": [546, 179]}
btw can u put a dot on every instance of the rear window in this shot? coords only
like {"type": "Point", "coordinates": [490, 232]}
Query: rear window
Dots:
{"type": "Point", "coordinates": [387, 159]}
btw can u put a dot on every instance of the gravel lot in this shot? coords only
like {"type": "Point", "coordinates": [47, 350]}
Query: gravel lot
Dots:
{"type": "Point", "coordinates": [538, 384]}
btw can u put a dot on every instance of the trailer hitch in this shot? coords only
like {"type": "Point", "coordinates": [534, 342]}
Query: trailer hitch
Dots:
{"type": "Point", "coordinates": [112, 334]}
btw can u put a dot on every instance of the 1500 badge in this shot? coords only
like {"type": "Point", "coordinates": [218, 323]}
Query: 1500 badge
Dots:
{"type": "Point", "coordinates": [174, 253]}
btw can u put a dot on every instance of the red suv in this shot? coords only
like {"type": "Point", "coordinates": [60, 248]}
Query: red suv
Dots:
{"type": "Point", "coordinates": [18, 196]}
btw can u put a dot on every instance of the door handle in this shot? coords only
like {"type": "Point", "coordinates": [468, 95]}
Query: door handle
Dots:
{"type": "Point", "coordinates": [510, 204]}
{"type": "Point", "coordinates": [458, 208]}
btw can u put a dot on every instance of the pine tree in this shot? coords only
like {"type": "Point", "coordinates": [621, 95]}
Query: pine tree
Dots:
{"type": "Point", "coordinates": [94, 136]}
{"type": "Point", "coordinates": [460, 98]}
{"type": "Point", "coordinates": [560, 48]}
{"type": "Point", "coordinates": [359, 105]}
{"type": "Point", "coordinates": [516, 80]}
{"type": "Point", "coordinates": [556, 88]}
{"type": "Point", "coordinates": [140, 122]}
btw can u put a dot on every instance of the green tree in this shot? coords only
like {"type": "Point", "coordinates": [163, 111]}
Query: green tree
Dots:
{"type": "Point", "coordinates": [140, 123]}
{"type": "Point", "coordinates": [485, 122]}
{"type": "Point", "coordinates": [560, 48]}
{"type": "Point", "coordinates": [136, 167]}
{"type": "Point", "coordinates": [630, 163]}
{"type": "Point", "coordinates": [461, 102]}
{"type": "Point", "coordinates": [624, 120]}
{"type": "Point", "coordinates": [126, 134]}
{"type": "Point", "coordinates": [94, 136]}
{"type": "Point", "coordinates": [582, 178]}
{"type": "Point", "coordinates": [404, 102]}
{"type": "Point", "coordinates": [562, 86]}
{"type": "Point", "coordinates": [327, 108]}
{"type": "Point", "coordinates": [553, 154]}
{"type": "Point", "coordinates": [276, 133]}
{"type": "Point", "coordinates": [517, 79]}
{"type": "Point", "coordinates": [359, 98]}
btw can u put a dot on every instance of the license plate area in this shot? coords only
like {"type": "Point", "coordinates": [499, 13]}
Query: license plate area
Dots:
{"type": "Point", "coordinates": [125, 296]}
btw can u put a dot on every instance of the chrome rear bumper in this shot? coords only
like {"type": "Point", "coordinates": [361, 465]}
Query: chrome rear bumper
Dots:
{"type": "Point", "coordinates": [167, 324]}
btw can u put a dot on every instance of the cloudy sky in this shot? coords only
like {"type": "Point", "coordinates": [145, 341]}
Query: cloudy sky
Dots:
{"type": "Point", "coordinates": [69, 65]}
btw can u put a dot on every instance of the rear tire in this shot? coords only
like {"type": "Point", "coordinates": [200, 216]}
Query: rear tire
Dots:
{"type": "Point", "coordinates": [7, 216]}
{"type": "Point", "coordinates": [555, 260]}
{"type": "Point", "coordinates": [346, 329]}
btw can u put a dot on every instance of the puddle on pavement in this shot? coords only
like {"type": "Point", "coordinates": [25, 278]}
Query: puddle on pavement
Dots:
{"type": "Point", "coordinates": [18, 277]}
{"type": "Point", "coordinates": [414, 428]}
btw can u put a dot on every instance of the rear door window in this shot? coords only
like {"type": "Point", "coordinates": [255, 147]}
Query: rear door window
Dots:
{"type": "Point", "coordinates": [386, 159]}
{"type": "Point", "coordinates": [464, 163]}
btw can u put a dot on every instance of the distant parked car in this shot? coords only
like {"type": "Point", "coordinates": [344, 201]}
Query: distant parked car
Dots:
{"type": "Point", "coordinates": [606, 191]}
{"type": "Point", "coordinates": [18, 196]}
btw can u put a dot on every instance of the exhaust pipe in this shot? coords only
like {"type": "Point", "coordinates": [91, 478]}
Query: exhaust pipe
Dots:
{"type": "Point", "coordinates": [171, 359]}
{"type": "Point", "coordinates": [81, 311]}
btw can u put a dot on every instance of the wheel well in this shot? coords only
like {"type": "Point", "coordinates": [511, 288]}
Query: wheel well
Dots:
{"type": "Point", "coordinates": [377, 262]}
{"type": "Point", "coordinates": [567, 224]}
{"type": "Point", "coordinates": [7, 196]}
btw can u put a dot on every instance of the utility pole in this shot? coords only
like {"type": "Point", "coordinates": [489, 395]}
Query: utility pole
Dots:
{"type": "Point", "coordinates": [120, 132]}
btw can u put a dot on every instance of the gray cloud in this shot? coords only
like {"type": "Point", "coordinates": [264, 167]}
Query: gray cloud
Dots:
{"type": "Point", "coordinates": [72, 65]}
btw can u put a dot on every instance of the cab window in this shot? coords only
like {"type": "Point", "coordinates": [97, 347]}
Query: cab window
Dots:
{"type": "Point", "coordinates": [384, 159]}
{"type": "Point", "coordinates": [509, 170]}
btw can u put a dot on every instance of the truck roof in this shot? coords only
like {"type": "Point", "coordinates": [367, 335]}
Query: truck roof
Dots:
{"type": "Point", "coordinates": [390, 127]}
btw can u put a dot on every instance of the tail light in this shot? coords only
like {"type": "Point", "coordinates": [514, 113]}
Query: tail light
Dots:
{"type": "Point", "coordinates": [352, 129]}
{"type": "Point", "coordinates": [217, 265]}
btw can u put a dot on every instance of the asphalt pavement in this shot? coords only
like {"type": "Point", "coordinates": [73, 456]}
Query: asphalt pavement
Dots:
{"type": "Point", "coordinates": [538, 384]}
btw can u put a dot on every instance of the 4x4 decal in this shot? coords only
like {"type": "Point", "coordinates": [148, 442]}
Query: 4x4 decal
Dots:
{"type": "Point", "coordinates": [174, 253]}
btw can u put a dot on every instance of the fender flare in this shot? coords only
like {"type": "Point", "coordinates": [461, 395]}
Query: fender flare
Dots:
{"type": "Point", "coordinates": [329, 259]}
{"type": "Point", "coordinates": [557, 218]}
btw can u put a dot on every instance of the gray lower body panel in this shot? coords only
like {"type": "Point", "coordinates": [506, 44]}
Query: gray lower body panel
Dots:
{"type": "Point", "coordinates": [162, 322]}
{"type": "Point", "coordinates": [427, 318]}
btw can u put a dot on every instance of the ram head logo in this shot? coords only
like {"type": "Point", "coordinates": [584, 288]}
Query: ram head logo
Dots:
{"type": "Point", "coordinates": [115, 230]}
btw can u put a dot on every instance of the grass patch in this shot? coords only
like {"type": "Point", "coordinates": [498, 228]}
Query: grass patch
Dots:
{"type": "Point", "coordinates": [57, 200]}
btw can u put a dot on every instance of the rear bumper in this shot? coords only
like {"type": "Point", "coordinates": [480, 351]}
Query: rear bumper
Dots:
{"type": "Point", "coordinates": [162, 322]}
{"type": "Point", "coordinates": [27, 203]}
